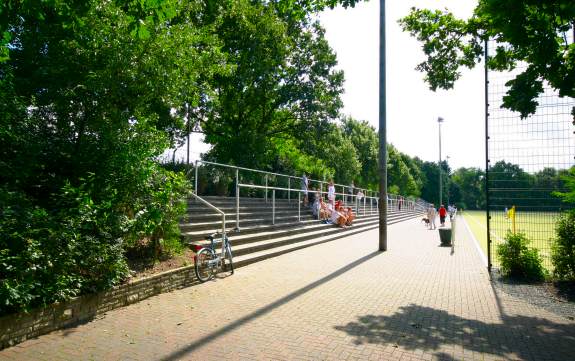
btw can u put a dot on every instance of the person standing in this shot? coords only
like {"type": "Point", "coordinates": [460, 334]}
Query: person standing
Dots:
{"type": "Point", "coordinates": [350, 191]}
{"type": "Point", "coordinates": [431, 214]}
{"type": "Point", "coordinates": [331, 193]}
{"type": "Point", "coordinates": [442, 215]}
{"type": "Point", "coordinates": [304, 184]}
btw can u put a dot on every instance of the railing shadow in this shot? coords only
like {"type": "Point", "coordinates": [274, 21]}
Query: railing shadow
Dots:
{"type": "Point", "coordinates": [416, 327]}
{"type": "Point", "coordinates": [186, 350]}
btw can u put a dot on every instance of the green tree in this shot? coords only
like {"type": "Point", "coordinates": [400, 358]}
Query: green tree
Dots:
{"type": "Point", "coordinates": [471, 185]}
{"type": "Point", "coordinates": [399, 177]}
{"type": "Point", "coordinates": [366, 142]}
{"type": "Point", "coordinates": [533, 32]}
{"type": "Point", "coordinates": [284, 84]}
{"type": "Point", "coordinates": [511, 185]}
{"type": "Point", "coordinates": [89, 90]}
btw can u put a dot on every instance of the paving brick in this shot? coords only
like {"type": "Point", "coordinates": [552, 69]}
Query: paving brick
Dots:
{"type": "Point", "coordinates": [339, 300]}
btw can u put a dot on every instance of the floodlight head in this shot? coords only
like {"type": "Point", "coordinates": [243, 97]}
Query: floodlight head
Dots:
{"type": "Point", "coordinates": [439, 119]}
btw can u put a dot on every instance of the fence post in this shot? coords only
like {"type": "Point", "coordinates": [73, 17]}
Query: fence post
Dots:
{"type": "Point", "coordinates": [196, 178]}
{"type": "Point", "coordinates": [273, 206]}
{"type": "Point", "coordinates": [237, 199]}
{"type": "Point", "coordinates": [289, 189]}
{"type": "Point", "coordinates": [298, 207]}
{"type": "Point", "coordinates": [266, 196]}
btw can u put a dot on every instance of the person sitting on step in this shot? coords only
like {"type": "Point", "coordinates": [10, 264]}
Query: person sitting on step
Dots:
{"type": "Point", "coordinates": [338, 218]}
{"type": "Point", "coordinates": [350, 217]}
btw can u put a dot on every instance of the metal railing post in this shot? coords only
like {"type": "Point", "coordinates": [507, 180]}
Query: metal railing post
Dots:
{"type": "Point", "coordinates": [298, 207]}
{"type": "Point", "coordinates": [266, 196]}
{"type": "Point", "coordinates": [273, 206]}
{"type": "Point", "coordinates": [289, 189]}
{"type": "Point", "coordinates": [364, 203]}
{"type": "Point", "coordinates": [196, 178]}
{"type": "Point", "coordinates": [237, 199]}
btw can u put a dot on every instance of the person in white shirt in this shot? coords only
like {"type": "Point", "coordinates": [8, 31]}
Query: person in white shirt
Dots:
{"type": "Point", "coordinates": [338, 218]}
{"type": "Point", "coordinates": [304, 185]}
{"type": "Point", "coordinates": [431, 214]}
{"type": "Point", "coordinates": [331, 193]}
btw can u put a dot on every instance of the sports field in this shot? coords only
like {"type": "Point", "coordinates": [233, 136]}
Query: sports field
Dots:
{"type": "Point", "coordinates": [538, 226]}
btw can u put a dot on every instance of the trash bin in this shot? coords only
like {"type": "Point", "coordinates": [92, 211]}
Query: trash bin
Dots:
{"type": "Point", "coordinates": [445, 236]}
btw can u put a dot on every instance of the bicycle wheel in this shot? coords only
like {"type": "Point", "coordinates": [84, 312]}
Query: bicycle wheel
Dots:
{"type": "Point", "coordinates": [229, 257]}
{"type": "Point", "coordinates": [205, 264]}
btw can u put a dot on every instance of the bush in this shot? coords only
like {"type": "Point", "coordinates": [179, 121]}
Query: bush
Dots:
{"type": "Point", "coordinates": [563, 247]}
{"type": "Point", "coordinates": [77, 242]}
{"type": "Point", "coordinates": [47, 257]}
{"type": "Point", "coordinates": [519, 261]}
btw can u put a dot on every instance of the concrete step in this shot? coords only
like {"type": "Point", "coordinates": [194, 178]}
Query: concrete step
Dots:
{"type": "Point", "coordinates": [246, 259]}
{"type": "Point", "coordinates": [257, 251]}
{"type": "Point", "coordinates": [267, 233]}
{"type": "Point", "coordinates": [193, 232]}
{"type": "Point", "coordinates": [250, 213]}
{"type": "Point", "coordinates": [261, 220]}
{"type": "Point", "coordinates": [292, 238]}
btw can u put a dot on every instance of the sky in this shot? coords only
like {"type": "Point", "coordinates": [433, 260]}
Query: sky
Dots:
{"type": "Point", "coordinates": [412, 109]}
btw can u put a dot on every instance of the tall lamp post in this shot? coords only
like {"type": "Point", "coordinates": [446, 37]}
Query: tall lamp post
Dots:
{"type": "Point", "coordinates": [448, 179]}
{"type": "Point", "coordinates": [382, 134]}
{"type": "Point", "coordinates": [439, 121]}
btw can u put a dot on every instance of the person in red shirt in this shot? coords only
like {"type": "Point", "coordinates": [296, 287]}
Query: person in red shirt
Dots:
{"type": "Point", "coordinates": [442, 215]}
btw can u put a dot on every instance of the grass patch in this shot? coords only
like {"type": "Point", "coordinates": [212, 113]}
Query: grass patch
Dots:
{"type": "Point", "coordinates": [539, 227]}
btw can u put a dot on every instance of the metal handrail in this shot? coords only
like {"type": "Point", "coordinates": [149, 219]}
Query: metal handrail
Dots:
{"type": "Point", "coordinates": [393, 200]}
{"type": "Point", "coordinates": [296, 190]}
{"type": "Point", "coordinates": [321, 182]}
{"type": "Point", "coordinates": [215, 209]}
{"type": "Point", "coordinates": [299, 192]}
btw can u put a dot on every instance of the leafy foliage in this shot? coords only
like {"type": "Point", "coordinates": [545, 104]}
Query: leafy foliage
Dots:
{"type": "Point", "coordinates": [563, 247]}
{"type": "Point", "coordinates": [284, 84]}
{"type": "Point", "coordinates": [534, 32]}
{"type": "Point", "coordinates": [518, 260]}
{"type": "Point", "coordinates": [470, 183]}
{"type": "Point", "coordinates": [86, 93]}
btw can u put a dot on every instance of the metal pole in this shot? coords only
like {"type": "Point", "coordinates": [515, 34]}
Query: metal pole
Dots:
{"type": "Point", "coordinates": [237, 199]}
{"type": "Point", "coordinates": [273, 206]}
{"type": "Point", "coordinates": [487, 162]}
{"type": "Point", "coordinates": [382, 130]}
{"type": "Point", "coordinates": [196, 179]}
{"type": "Point", "coordinates": [189, 134]}
{"type": "Point", "coordinates": [298, 206]}
{"type": "Point", "coordinates": [289, 189]}
{"type": "Point", "coordinates": [266, 196]}
{"type": "Point", "coordinates": [439, 120]}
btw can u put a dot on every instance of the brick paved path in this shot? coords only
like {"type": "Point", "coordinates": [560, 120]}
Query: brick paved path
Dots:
{"type": "Point", "coordinates": [340, 300]}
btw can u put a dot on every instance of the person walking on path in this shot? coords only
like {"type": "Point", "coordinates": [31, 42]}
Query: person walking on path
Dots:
{"type": "Point", "coordinates": [431, 214]}
{"type": "Point", "coordinates": [304, 184]}
{"type": "Point", "coordinates": [442, 215]}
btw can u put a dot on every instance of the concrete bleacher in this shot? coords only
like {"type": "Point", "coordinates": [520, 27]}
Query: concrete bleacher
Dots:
{"type": "Point", "coordinates": [259, 239]}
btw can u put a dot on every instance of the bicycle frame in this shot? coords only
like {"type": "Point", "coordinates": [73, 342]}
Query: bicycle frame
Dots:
{"type": "Point", "coordinates": [213, 242]}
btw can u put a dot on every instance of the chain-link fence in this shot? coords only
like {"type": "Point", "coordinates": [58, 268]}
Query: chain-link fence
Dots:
{"type": "Point", "coordinates": [526, 159]}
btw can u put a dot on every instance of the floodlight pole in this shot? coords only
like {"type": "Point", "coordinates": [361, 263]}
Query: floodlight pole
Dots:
{"type": "Point", "coordinates": [382, 134]}
{"type": "Point", "coordinates": [439, 121]}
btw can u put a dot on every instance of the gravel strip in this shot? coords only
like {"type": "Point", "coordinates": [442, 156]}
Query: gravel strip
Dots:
{"type": "Point", "coordinates": [538, 294]}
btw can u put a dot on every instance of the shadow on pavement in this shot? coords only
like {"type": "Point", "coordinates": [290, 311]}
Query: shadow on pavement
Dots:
{"type": "Point", "coordinates": [176, 355]}
{"type": "Point", "coordinates": [415, 327]}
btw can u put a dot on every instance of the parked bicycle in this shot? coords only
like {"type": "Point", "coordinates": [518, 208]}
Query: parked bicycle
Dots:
{"type": "Point", "coordinates": [208, 261]}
